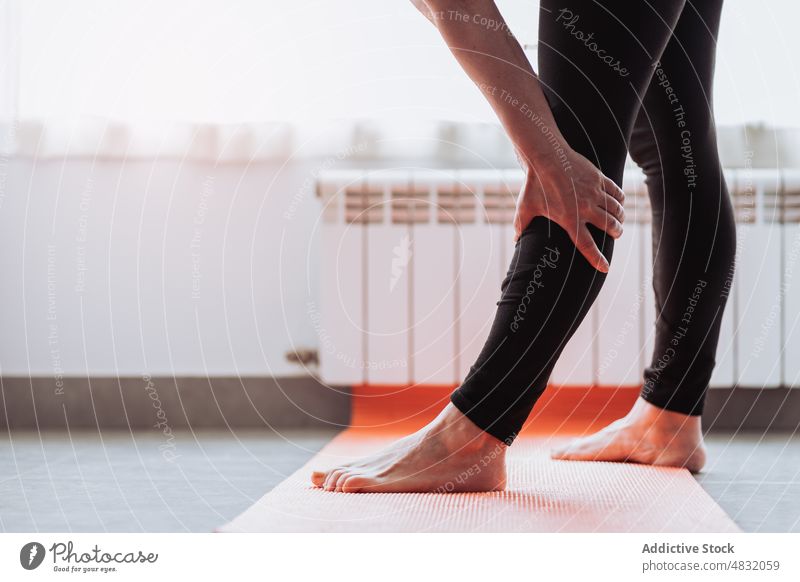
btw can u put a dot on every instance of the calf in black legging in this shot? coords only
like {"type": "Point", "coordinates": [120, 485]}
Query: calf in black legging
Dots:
{"type": "Point", "coordinates": [613, 77]}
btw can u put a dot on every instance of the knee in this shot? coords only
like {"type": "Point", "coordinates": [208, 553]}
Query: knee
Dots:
{"type": "Point", "coordinates": [670, 155]}
{"type": "Point", "coordinates": [644, 151]}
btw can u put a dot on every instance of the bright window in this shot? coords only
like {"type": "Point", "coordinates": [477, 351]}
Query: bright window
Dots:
{"type": "Point", "coordinates": [259, 60]}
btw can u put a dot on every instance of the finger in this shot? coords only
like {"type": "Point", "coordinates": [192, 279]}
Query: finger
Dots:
{"type": "Point", "coordinates": [611, 188]}
{"type": "Point", "coordinates": [610, 204]}
{"type": "Point", "coordinates": [605, 222]}
{"type": "Point", "coordinates": [587, 247]}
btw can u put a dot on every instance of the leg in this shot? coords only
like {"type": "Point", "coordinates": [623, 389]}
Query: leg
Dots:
{"type": "Point", "coordinates": [694, 238]}
{"type": "Point", "coordinates": [595, 65]}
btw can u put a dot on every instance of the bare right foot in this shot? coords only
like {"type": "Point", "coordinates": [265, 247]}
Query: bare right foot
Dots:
{"type": "Point", "coordinates": [648, 435]}
{"type": "Point", "coordinates": [450, 454]}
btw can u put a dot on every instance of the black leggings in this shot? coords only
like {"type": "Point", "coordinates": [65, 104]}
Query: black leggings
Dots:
{"type": "Point", "coordinates": [619, 77]}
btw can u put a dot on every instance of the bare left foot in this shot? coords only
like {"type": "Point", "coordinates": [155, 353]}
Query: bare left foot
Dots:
{"type": "Point", "coordinates": [450, 454]}
{"type": "Point", "coordinates": [647, 434]}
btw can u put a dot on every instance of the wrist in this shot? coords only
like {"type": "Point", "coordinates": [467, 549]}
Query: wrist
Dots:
{"type": "Point", "coordinates": [553, 156]}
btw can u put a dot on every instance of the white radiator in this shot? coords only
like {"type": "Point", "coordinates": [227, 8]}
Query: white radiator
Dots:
{"type": "Point", "coordinates": [412, 263]}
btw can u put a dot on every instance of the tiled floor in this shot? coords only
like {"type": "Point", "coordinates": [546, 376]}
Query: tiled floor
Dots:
{"type": "Point", "coordinates": [756, 480]}
{"type": "Point", "coordinates": [124, 482]}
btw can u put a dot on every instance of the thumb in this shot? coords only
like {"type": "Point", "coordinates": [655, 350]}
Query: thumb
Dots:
{"type": "Point", "coordinates": [517, 226]}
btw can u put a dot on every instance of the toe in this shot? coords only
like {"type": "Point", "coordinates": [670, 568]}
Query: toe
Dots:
{"type": "Point", "coordinates": [576, 452]}
{"type": "Point", "coordinates": [330, 480]}
{"type": "Point", "coordinates": [562, 451]}
{"type": "Point", "coordinates": [356, 484]}
{"type": "Point", "coordinates": [318, 478]}
{"type": "Point", "coordinates": [340, 481]}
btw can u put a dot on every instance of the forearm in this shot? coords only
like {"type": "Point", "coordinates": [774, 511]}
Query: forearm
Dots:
{"type": "Point", "coordinates": [479, 38]}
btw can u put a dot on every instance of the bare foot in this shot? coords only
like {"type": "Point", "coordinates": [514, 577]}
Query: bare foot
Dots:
{"type": "Point", "coordinates": [649, 435]}
{"type": "Point", "coordinates": [450, 454]}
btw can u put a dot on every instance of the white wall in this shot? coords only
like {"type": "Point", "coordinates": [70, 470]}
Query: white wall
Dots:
{"type": "Point", "coordinates": [101, 274]}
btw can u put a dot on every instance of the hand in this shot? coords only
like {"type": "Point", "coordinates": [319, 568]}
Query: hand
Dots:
{"type": "Point", "coordinates": [572, 198]}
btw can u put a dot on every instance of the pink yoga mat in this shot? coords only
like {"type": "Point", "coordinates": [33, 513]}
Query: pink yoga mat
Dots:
{"type": "Point", "coordinates": [543, 495]}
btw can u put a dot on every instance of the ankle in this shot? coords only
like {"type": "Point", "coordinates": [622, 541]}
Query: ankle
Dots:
{"type": "Point", "coordinates": [664, 421]}
{"type": "Point", "coordinates": [459, 432]}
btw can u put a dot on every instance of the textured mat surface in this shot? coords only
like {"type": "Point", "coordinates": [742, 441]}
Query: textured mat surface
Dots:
{"type": "Point", "coordinates": [542, 496]}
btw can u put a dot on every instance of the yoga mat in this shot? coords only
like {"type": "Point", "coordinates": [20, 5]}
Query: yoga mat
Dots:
{"type": "Point", "coordinates": [542, 495]}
